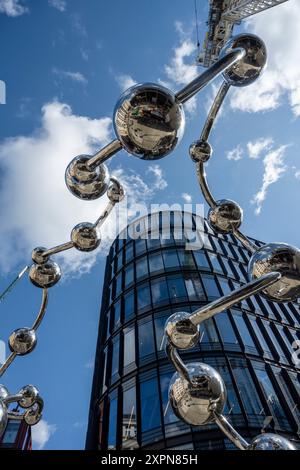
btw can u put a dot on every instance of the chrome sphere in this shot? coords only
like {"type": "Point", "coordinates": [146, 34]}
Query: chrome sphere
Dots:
{"type": "Point", "coordinates": [3, 418]}
{"type": "Point", "coordinates": [22, 341]}
{"type": "Point", "coordinates": [225, 217]}
{"type": "Point", "coordinates": [115, 192]}
{"type": "Point", "coordinates": [193, 402]}
{"type": "Point", "coordinates": [269, 441]}
{"type": "Point", "coordinates": [86, 183]}
{"type": "Point", "coordinates": [200, 151]}
{"type": "Point", "coordinates": [37, 255]}
{"type": "Point", "coordinates": [29, 396]}
{"type": "Point", "coordinates": [181, 332]}
{"type": "Point", "coordinates": [32, 416]}
{"type": "Point", "coordinates": [248, 69]}
{"type": "Point", "coordinates": [45, 275]}
{"type": "Point", "coordinates": [149, 121]}
{"type": "Point", "coordinates": [284, 259]}
{"type": "Point", "coordinates": [85, 236]}
{"type": "Point", "coordinates": [4, 393]}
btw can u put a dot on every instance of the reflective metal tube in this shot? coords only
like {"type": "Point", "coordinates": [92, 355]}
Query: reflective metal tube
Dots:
{"type": "Point", "coordinates": [198, 83]}
{"type": "Point", "coordinates": [214, 110]}
{"type": "Point", "coordinates": [104, 154]}
{"type": "Point", "coordinates": [42, 311]}
{"type": "Point", "coordinates": [174, 357]}
{"type": "Point", "coordinates": [204, 185]}
{"type": "Point", "coordinates": [230, 432]}
{"type": "Point", "coordinates": [245, 241]}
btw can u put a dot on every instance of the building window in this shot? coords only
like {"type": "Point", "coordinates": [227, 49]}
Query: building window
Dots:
{"type": "Point", "coordinates": [159, 291]}
{"type": "Point", "coordinates": [140, 246]}
{"type": "Point", "coordinates": [150, 405]}
{"type": "Point", "coordinates": [170, 259]}
{"type": "Point", "coordinates": [129, 426]}
{"type": "Point", "coordinates": [186, 259]}
{"type": "Point", "coordinates": [154, 241]}
{"type": "Point", "coordinates": [146, 339]}
{"type": "Point", "coordinates": [169, 416]}
{"type": "Point", "coordinates": [243, 330]}
{"type": "Point", "coordinates": [129, 346]}
{"type": "Point", "coordinates": [129, 252]}
{"type": "Point", "coordinates": [160, 330]}
{"type": "Point", "coordinates": [247, 390]}
{"type": "Point", "coordinates": [208, 334]}
{"type": "Point", "coordinates": [224, 285]}
{"type": "Point", "coordinates": [104, 361]}
{"type": "Point", "coordinates": [177, 289]}
{"type": "Point", "coordinates": [201, 260]}
{"type": "Point", "coordinates": [260, 338]}
{"type": "Point", "coordinates": [112, 430]}
{"type": "Point", "coordinates": [129, 309]}
{"type": "Point", "coordinates": [225, 328]}
{"type": "Point", "coordinates": [118, 284]}
{"type": "Point", "coordinates": [210, 285]}
{"type": "Point", "coordinates": [217, 268]}
{"type": "Point", "coordinates": [156, 262]}
{"type": "Point", "coordinates": [115, 356]}
{"type": "Point", "coordinates": [194, 287]}
{"type": "Point", "coordinates": [275, 345]}
{"type": "Point", "coordinates": [143, 296]}
{"type": "Point", "coordinates": [129, 275]}
{"type": "Point", "coordinates": [11, 432]}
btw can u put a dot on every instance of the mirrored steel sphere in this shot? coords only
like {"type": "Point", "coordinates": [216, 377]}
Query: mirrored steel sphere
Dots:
{"type": "Point", "coordinates": [37, 255]}
{"type": "Point", "coordinates": [284, 259]}
{"type": "Point", "coordinates": [30, 394]}
{"type": "Point", "coordinates": [85, 236]}
{"type": "Point", "coordinates": [180, 331]}
{"type": "Point", "coordinates": [3, 418]}
{"type": "Point", "coordinates": [4, 393]}
{"type": "Point", "coordinates": [32, 416]}
{"type": "Point", "coordinates": [149, 121]}
{"type": "Point", "coordinates": [45, 275]}
{"type": "Point", "coordinates": [115, 192]}
{"type": "Point", "coordinates": [248, 69]}
{"type": "Point", "coordinates": [271, 441]}
{"type": "Point", "coordinates": [22, 341]}
{"type": "Point", "coordinates": [193, 402]}
{"type": "Point", "coordinates": [226, 216]}
{"type": "Point", "coordinates": [86, 183]}
{"type": "Point", "coordinates": [200, 151]}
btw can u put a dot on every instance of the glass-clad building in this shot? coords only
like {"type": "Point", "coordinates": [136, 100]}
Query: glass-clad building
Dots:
{"type": "Point", "coordinates": [148, 279]}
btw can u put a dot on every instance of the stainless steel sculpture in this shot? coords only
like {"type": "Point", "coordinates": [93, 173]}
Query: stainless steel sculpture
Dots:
{"type": "Point", "coordinates": [197, 393]}
{"type": "Point", "coordinates": [149, 122]}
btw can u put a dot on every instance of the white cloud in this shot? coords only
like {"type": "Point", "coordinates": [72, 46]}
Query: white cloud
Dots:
{"type": "Point", "coordinates": [258, 146]}
{"type": "Point", "coordinates": [235, 154]}
{"type": "Point", "coordinates": [186, 197]}
{"type": "Point", "coordinates": [279, 28]}
{"type": "Point", "coordinates": [274, 167]}
{"type": "Point", "coordinates": [12, 8]}
{"type": "Point", "coordinates": [75, 76]}
{"type": "Point", "coordinates": [36, 205]}
{"type": "Point", "coordinates": [125, 81]}
{"type": "Point", "coordinates": [60, 5]}
{"type": "Point", "coordinates": [159, 182]}
{"type": "Point", "coordinates": [297, 174]}
{"type": "Point", "coordinates": [41, 433]}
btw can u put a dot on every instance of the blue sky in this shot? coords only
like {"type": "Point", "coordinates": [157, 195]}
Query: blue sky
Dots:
{"type": "Point", "coordinates": [65, 64]}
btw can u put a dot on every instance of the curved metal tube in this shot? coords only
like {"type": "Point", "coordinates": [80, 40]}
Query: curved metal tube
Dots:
{"type": "Point", "coordinates": [105, 214]}
{"type": "Point", "coordinates": [42, 311]}
{"type": "Point", "coordinates": [104, 154]}
{"type": "Point", "coordinates": [177, 362]}
{"type": "Point", "coordinates": [235, 296]}
{"type": "Point", "coordinates": [199, 82]}
{"type": "Point", "coordinates": [7, 363]}
{"type": "Point", "coordinates": [204, 185]}
{"type": "Point", "coordinates": [58, 249]}
{"type": "Point", "coordinates": [245, 241]}
{"type": "Point", "coordinates": [215, 107]}
{"type": "Point", "coordinates": [230, 432]}
{"type": "Point", "coordinates": [12, 398]}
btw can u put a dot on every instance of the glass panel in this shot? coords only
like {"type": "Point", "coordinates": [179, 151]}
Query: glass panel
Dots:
{"type": "Point", "coordinates": [129, 251]}
{"type": "Point", "coordinates": [117, 318]}
{"type": "Point", "coordinates": [215, 264]}
{"type": "Point", "coordinates": [224, 285]}
{"type": "Point", "coordinates": [141, 268]}
{"type": "Point", "coordinates": [154, 241]}
{"type": "Point", "coordinates": [274, 341]}
{"type": "Point", "coordinates": [104, 370]}
{"type": "Point", "coordinates": [159, 290]}
{"type": "Point", "coordinates": [186, 258]}
{"type": "Point", "coordinates": [115, 356]}
{"type": "Point", "coordinates": [261, 340]}
{"type": "Point", "coordinates": [119, 284]}
{"type": "Point", "coordinates": [143, 296]}
{"type": "Point", "coordinates": [140, 246]}
{"type": "Point", "coordinates": [169, 416]}
{"type": "Point", "coordinates": [225, 328]}
{"type": "Point", "coordinates": [155, 262]}
{"type": "Point", "coordinates": [11, 432]}
{"type": "Point", "coordinates": [208, 332]}
{"type": "Point", "coordinates": [210, 285]}
{"type": "Point", "coordinates": [146, 339]}
{"type": "Point", "coordinates": [177, 289]}
{"type": "Point", "coordinates": [150, 407]}
{"type": "Point", "coordinates": [119, 260]}
{"type": "Point", "coordinates": [129, 346]}
{"type": "Point", "coordinates": [201, 260]}
{"type": "Point", "coordinates": [242, 329]}
{"type": "Point", "coordinates": [194, 287]}
{"type": "Point", "coordinates": [129, 428]}
{"type": "Point", "coordinates": [228, 267]}
{"type": "Point", "coordinates": [129, 305]}
{"type": "Point", "coordinates": [129, 275]}
{"type": "Point", "coordinates": [112, 432]}
{"type": "Point", "coordinates": [160, 331]}
{"type": "Point", "coordinates": [170, 258]}
{"type": "Point", "coordinates": [247, 390]}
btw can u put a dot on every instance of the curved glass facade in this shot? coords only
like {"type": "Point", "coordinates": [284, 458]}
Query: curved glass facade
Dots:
{"type": "Point", "coordinates": [147, 280]}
